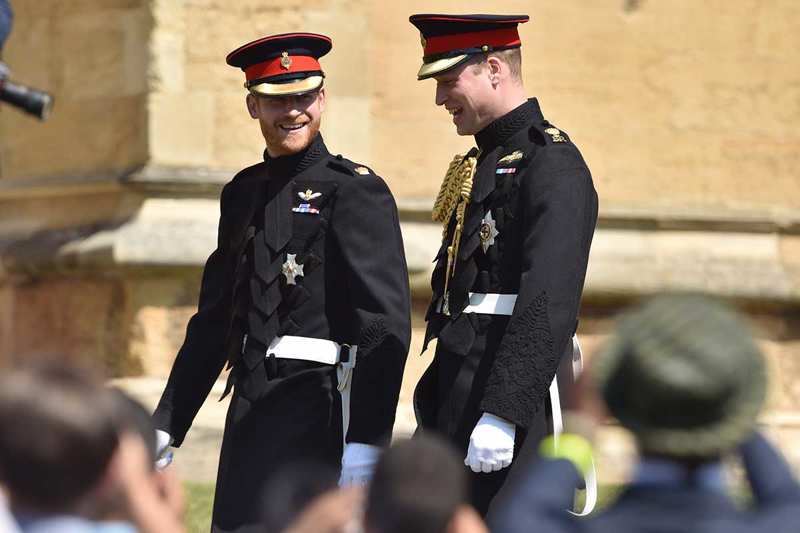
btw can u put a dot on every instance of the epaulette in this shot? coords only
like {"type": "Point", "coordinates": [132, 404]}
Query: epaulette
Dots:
{"type": "Point", "coordinates": [550, 134]}
{"type": "Point", "coordinates": [348, 167]}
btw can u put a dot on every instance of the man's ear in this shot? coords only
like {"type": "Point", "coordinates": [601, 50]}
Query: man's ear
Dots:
{"type": "Point", "coordinates": [252, 105]}
{"type": "Point", "coordinates": [496, 69]}
{"type": "Point", "coordinates": [321, 98]}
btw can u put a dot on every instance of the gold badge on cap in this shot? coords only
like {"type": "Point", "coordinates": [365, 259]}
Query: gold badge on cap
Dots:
{"type": "Point", "coordinates": [555, 133]}
{"type": "Point", "coordinates": [286, 61]}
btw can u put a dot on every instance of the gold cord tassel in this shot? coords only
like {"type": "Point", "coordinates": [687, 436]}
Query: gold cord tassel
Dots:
{"type": "Point", "coordinates": [454, 195]}
{"type": "Point", "coordinates": [448, 193]}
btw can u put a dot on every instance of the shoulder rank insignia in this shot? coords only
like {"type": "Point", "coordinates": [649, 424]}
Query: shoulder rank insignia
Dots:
{"type": "Point", "coordinates": [510, 158]}
{"type": "Point", "coordinates": [555, 133]}
{"type": "Point", "coordinates": [309, 195]}
{"type": "Point", "coordinates": [488, 231]}
{"type": "Point", "coordinates": [361, 170]}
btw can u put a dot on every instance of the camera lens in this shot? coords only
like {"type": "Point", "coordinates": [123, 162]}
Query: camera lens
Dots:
{"type": "Point", "coordinates": [37, 103]}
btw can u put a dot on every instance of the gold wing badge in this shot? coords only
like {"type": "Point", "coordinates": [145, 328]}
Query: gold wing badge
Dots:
{"type": "Point", "coordinates": [454, 195]}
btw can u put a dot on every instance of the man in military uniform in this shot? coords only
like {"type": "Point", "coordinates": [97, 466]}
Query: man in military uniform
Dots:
{"type": "Point", "coordinates": [519, 213]}
{"type": "Point", "coordinates": [305, 298]}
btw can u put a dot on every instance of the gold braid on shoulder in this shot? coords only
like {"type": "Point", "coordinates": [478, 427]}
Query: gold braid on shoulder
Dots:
{"type": "Point", "coordinates": [454, 195]}
{"type": "Point", "coordinates": [448, 192]}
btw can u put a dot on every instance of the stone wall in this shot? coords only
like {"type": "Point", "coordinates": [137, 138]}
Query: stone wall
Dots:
{"type": "Point", "coordinates": [93, 56]}
{"type": "Point", "coordinates": [686, 113]}
{"type": "Point", "coordinates": [675, 104]}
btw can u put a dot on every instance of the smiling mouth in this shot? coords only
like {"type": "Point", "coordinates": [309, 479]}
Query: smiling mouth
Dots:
{"type": "Point", "coordinates": [456, 111]}
{"type": "Point", "coordinates": [291, 127]}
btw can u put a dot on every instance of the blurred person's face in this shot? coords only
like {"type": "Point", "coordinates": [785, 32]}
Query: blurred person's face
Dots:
{"type": "Point", "coordinates": [466, 520]}
{"type": "Point", "coordinates": [288, 123]}
{"type": "Point", "coordinates": [131, 473]}
{"type": "Point", "coordinates": [468, 93]}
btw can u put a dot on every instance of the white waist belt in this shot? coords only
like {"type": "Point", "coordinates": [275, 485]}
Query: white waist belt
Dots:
{"type": "Point", "coordinates": [309, 349]}
{"type": "Point", "coordinates": [491, 304]}
{"type": "Point", "coordinates": [488, 304]}
{"type": "Point", "coordinates": [320, 351]}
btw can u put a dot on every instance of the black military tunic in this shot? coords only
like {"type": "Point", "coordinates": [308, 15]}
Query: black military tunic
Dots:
{"type": "Point", "coordinates": [538, 190]}
{"type": "Point", "coordinates": [338, 222]}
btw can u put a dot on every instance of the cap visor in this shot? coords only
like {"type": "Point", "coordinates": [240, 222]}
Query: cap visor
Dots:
{"type": "Point", "coordinates": [285, 89]}
{"type": "Point", "coordinates": [440, 65]}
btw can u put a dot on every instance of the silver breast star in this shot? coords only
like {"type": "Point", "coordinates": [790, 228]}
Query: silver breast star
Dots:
{"type": "Point", "coordinates": [488, 231]}
{"type": "Point", "coordinates": [291, 269]}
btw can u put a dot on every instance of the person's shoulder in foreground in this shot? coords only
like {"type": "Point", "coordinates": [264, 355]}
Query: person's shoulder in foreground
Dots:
{"type": "Point", "coordinates": [683, 374]}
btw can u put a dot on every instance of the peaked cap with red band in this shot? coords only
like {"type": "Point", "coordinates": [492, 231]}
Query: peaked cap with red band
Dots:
{"type": "Point", "coordinates": [281, 65]}
{"type": "Point", "coordinates": [448, 40]}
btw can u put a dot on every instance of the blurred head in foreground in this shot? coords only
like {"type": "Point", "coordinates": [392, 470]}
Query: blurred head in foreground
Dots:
{"type": "Point", "coordinates": [420, 485]}
{"type": "Point", "coordinates": [683, 374]}
{"type": "Point", "coordinates": [58, 437]}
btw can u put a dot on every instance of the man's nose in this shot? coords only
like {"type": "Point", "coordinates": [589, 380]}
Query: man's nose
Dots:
{"type": "Point", "coordinates": [291, 105]}
{"type": "Point", "coordinates": [441, 95]}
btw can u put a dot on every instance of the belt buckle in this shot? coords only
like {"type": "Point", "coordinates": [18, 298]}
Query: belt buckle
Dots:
{"type": "Point", "coordinates": [344, 353]}
{"type": "Point", "coordinates": [446, 304]}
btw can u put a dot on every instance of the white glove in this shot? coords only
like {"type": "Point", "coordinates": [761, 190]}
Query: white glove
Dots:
{"type": "Point", "coordinates": [491, 445]}
{"type": "Point", "coordinates": [358, 463]}
{"type": "Point", "coordinates": [163, 454]}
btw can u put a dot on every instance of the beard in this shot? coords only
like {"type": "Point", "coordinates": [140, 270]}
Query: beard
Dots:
{"type": "Point", "coordinates": [281, 141]}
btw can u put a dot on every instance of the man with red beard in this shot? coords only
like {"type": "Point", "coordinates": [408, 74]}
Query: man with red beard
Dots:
{"type": "Point", "coordinates": [519, 212]}
{"type": "Point", "coordinates": [305, 298]}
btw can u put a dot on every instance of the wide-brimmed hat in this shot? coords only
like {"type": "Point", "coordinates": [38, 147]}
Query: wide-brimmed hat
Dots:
{"type": "Point", "coordinates": [683, 373]}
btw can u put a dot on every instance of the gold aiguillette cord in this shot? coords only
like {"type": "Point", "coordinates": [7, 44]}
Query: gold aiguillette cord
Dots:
{"type": "Point", "coordinates": [454, 195]}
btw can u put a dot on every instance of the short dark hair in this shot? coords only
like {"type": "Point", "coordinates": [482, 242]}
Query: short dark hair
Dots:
{"type": "Point", "coordinates": [511, 57]}
{"type": "Point", "coordinates": [58, 435]}
{"type": "Point", "coordinates": [418, 486]}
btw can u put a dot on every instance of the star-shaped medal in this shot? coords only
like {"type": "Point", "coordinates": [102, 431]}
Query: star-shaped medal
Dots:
{"type": "Point", "coordinates": [488, 231]}
{"type": "Point", "coordinates": [291, 269]}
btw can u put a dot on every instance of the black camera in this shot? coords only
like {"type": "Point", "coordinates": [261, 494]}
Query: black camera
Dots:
{"type": "Point", "coordinates": [37, 103]}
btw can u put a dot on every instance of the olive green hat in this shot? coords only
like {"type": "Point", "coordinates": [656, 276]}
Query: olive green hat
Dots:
{"type": "Point", "coordinates": [683, 373]}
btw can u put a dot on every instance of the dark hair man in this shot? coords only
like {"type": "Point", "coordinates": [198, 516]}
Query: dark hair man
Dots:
{"type": "Point", "coordinates": [305, 298]}
{"type": "Point", "coordinates": [683, 375]}
{"type": "Point", "coordinates": [64, 451]}
{"type": "Point", "coordinates": [58, 437]}
{"type": "Point", "coordinates": [152, 499]}
{"type": "Point", "coordinates": [519, 213]}
{"type": "Point", "coordinates": [420, 486]}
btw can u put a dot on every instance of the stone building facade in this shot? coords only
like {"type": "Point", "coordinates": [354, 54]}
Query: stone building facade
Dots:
{"type": "Point", "coordinates": [686, 112]}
